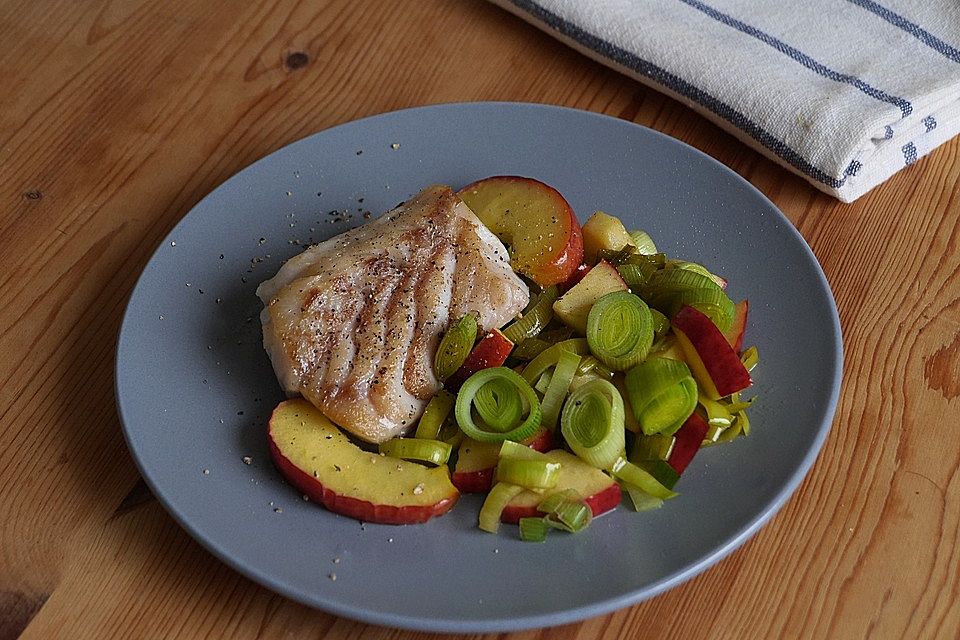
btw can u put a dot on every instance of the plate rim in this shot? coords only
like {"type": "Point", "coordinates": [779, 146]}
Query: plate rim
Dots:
{"type": "Point", "coordinates": [523, 622]}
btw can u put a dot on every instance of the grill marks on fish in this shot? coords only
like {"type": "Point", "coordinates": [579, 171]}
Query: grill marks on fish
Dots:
{"type": "Point", "coordinates": [353, 324]}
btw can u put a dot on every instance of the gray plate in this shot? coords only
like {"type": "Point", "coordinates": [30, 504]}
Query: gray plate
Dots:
{"type": "Point", "coordinates": [195, 389]}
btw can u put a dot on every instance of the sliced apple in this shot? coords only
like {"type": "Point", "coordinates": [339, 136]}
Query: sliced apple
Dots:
{"type": "Point", "coordinates": [322, 463]}
{"type": "Point", "coordinates": [713, 362]}
{"type": "Point", "coordinates": [739, 326]}
{"type": "Point", "coordinates": [603, 231]}
{"type": "Point", "coordinates": [492, 351]}
{"type": "Point", "coordinates": [575, 277]}
{"type": "Point", "coordinates": [573, 307]}
{"type": "Point", "coordinates": [687, 442]}
{"type": "Point", "coordinates": [598, 490]}
{"type": "Point", "coordinates": [477, 461]}
{"type": "Point", "coordinates": [534, 220]}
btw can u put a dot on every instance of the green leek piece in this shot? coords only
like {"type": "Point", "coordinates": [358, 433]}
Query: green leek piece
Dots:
{"type": "Point", "coordinates": [529, 474]}
{"type": "Point", "coordinates": [734, 405]}
{"type": "Point", "coordinates": [743, 422]}
{"type": "Point", "coordinates": [582, 379]}
{"type": "Point", "coordinates": [552, 502]}
{"type": "Point", "coordinates": [647, 265]}
{"type": "Point", "coordinates": [557, 388]}
{"type": "Point", "coordinates": [661, 470]}
{"type": "Point", "coordinates": [592, 423]}
{"type": "Point", "coordinates": [669, 289]}
{"type": "Point", "coordinates": [533, 529]}
{"type": "Point", "coordinates": [533, 321]}
{"type": "Point", "coordinates": [661, 324]}
{"type": "Point", "coordinates": [530, 349]}
{"type": "Point", "coordinates": [717, 414]}
{"type": "Point", "coordinates": [570, 516]}
{"type": "Point", "coordinates": [712, 302]}
{"type": "Point", "coordinates": [544, 382]}
{"type": "Point", "coordinates": [450, 431]}
{"type": "Point", "coordinates": [556, 334]}
{"type": "Point", "coordinates": [712, 436]}
{"type": "Point", "coordinates": [655, 447]}
{"type": "Point", "coordinates": [655, 261]}
{"type": "Point", "coordinates": [566, 510]}
{"type": "Point", "coordinates": [662, 393]}
{"type": "Point", "coordinates": [615, 257]}
{"type": "Point", "coordinates": [497, 500]}
{"type": "Point", "coordinates": [641, 500]}
{"type": "Point", "coordinates": [455, 346]}
{"type": "Point", "coordinates": [590, 364]}
{"type": "Point", "coordinates": [696, 268]}
{"type": "Point", "coordinates": [620, 330]}
{"type": "Point", "coordinates": [633, 275]}
{"type": "Point", "coordinates": [630, 474]}
{"type": "Point", "coordinates": [433, 452]}
{"type": "Point", "coordinates": [642, 242]}
{"type": "Point", "coordinates": [434, 415]}
{"type": "Point", "coordinates": [666, 283]}
{"type": "Point", "coordinates": [550, 357]}
{"type": "Point", "coordinates": [750, 358]}
{"type": "Point", "coordinates": [500, 402]}
{"type": "Point", "coordinates": [511, 449]}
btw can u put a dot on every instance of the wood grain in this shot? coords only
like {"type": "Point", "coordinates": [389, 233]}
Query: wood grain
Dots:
{"type": "Point", "coordinates": [116, 117]}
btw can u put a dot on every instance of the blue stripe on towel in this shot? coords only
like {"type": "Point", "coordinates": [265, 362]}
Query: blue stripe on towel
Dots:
{"type": "Point", "coordinates": [887, 132]}
{"type": "Point", "coordinates": [905, 107]}
{"type": "Point", "coordinates": [853, 168]}
{"type": "Point", "coordinates": [909, 153]}
{"type": "Point", "coordinates": [930, 123]}
{"type": "Point", "coordinates": [912, 28]}
{"type": "Point", "coordinates": [678, 85]}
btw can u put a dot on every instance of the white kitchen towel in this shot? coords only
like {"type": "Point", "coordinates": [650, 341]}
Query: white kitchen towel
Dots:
{"type": "Point", "coordinates": [843, 92]}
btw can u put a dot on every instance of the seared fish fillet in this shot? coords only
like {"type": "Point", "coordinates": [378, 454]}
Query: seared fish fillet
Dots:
{"type": "Point", "coordinates": [353, 323]}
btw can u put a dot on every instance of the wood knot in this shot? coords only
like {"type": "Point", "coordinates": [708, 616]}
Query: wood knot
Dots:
{"type": "Point", "coordinates": [942, 370]}
{"type": "Point", "coordinates": [296, 60]}
{"type": "Point", "coordinates": [33, 195]}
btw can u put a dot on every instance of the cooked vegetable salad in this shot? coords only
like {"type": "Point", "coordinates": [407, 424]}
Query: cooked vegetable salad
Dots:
{"type": "Point", "coordinates": [626, 368]}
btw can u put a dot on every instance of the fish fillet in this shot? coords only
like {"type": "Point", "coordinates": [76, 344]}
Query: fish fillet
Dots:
{"type": "Point", "coordinates": [352, 324]}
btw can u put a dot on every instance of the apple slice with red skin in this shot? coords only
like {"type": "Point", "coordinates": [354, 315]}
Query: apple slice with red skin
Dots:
{"type": "Point", "coordinates": [574, 278]}
{"type": "Point", "coordinates": [477, 461]}
{"type": "Point", "coordinates": [687, 442]}
{"type": "Point", "coordinates": [712, 361]}
{"type": "Point", "coordinates": [491, 351]}
{"type": "Point", "coordinates": [573, 307]}
{"type": "Point", "coordinates": [322, 463]}
{"type": "Point", "coordinates": [534, 220]}
{"type": "Point", "coordinates": [598, 490]}
{"type": "Point", "coordinates": [739, 326]}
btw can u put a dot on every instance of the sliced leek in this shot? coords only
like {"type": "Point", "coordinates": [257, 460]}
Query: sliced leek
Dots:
{"type": "Point", "coordinates": [434, 415]}
{"type": "Point", "coordinates": [498, 402]}
{"type": "Point", "coordinates": [642, 242]}
{"type": "Point", "coordinates": [550, 357]}
{"type": "Point", "coordinates": [533, 529]}
{"type": "Point", "coordinates": [497, 500]}
{"type": "Point", "coordinates": [620, 330]}
{"type": "Point", "coordinates": [455, 346]}
{"type": "Point", "coordinates": [433, 452]}
{"type": "Point", "coordinates": [750, 358]}
{"type": "Point", "coordinates": [558, 387]}
{"type": "Point", "coordinates": [529, 474]}
{"type": "Point", "coordinates": [630, 474]}
{"type": "Point", "coordinates": [533, 321]}
{"type": "Point", "coordinates": [592, 423]}
{"type": "Point", "coordinates": [662, 393]}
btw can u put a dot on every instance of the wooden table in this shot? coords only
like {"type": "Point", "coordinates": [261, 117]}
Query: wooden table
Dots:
{"type": "Point", "coordinates": [117, 117]}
